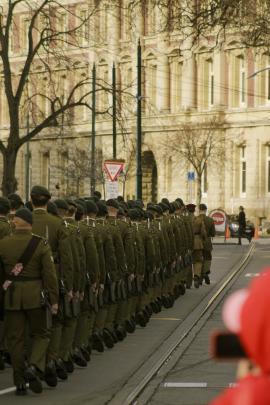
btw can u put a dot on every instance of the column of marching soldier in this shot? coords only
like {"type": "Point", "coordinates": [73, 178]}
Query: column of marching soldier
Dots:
{"type": "Point", "coordinates": [79, 274]}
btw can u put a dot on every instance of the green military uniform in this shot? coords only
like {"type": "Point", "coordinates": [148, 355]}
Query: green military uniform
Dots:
{"type": "Point", "coordinates": [199, 238]}
{"type": "Point", "coordinates": [92, 274]}
{"type": "Point", "coordinates": [207, 247]}
{"type": "Point", "coordinates": [52, 228]}
{"type": "Point", "coordinates": [121, 269]}
{"type": "Point", "coordinates": [23, 300]}
{"type": "Point", "coordinates": [124, 315]}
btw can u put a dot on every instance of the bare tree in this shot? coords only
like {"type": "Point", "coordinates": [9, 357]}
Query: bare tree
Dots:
{"type": "Point", "coordinates": [47, 82]}
{"type": "Point", "coordinates": [198, 145]}
{"type": "Point", "coordinates": [75, 170]}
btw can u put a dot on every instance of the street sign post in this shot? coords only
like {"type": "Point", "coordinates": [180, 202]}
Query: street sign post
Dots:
{"type": "Point", "coordinates": [191, 179]}
{"type": "Point", "coordinates": [220, 219]}
{"type": "Point", "coordinates": [112, 168]}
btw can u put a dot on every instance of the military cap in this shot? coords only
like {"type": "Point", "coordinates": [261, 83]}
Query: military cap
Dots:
{"type": "Point", "coordinates": [29, 205]}
{"type": "Point", "coordinates": [102, 208]}
{"type": "Point", "coordinates": [41, 191]}
{"type": "Point", "coordinates": [69, 201]}
{"type": "Point", "coordinates": [131, 204]}
{"type": "Point", "coordinates": [191, 207]}
{"type": "Point", "coordinates": [166, 201]}
{"type": "Point", "coordinates": [25, 214]}
{"type": "Point", "coordinates": [153, 207]}
{"type": "Point", "coordinates": [148, 215]}
{"type": "Point", "coordinates": [134, 214]}
{"type": "Point", "coordinates": [180, 201]}
{"type": "Point", "coordinates": [139, 203]}
{"type": "Point", "coordinates": [62, 204]}
{"type": "Point", "coordinates": [80, 208]}
{"type": "Point", "coordinates": [4, 204]}
{"type": "Point", "coordinates": [120, 199]}
{"type": "Point", "coordinates": [202, 207]}
{"type": "Point", "coordinates": [15, 200]}
{"type": "Point", "coordinates": [97, 194]}
{"type": "Point", "coordinates": [91, 207]}
{"type": "Point", "coordinates": [124, 207]}
{"type": "Point", "coordinates": [164, 207]}
{"type": "Point", "coordinates": [112, 203]}
{"type": "Point", "coordinates": [52, 208]}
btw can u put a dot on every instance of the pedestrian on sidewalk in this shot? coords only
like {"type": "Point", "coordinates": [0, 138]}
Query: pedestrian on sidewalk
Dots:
{"type": "Point", "coordinates": [242, 224]}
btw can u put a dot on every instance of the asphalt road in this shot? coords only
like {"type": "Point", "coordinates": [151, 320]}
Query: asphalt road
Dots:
{"type": "Point", "coordinates": [110, 372]}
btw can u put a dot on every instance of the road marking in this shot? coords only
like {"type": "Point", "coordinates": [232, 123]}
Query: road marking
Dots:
{"type": "Point", "coordinates": [7, 390]}
{"type": "Point", "coordinates": [166, 319]}
{"type": "Point", "coordinates": [193, 385]}
{"type": "Point", "coordinates": [185, 385]}
{"type": "Point", "coordinates": [252, 274]}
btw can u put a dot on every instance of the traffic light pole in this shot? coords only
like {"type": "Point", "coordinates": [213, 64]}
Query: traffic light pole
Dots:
{"type": "Point", "coordinates": [139, 124]}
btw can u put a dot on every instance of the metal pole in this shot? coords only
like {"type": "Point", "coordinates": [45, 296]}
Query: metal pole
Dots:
{"type": "Point", "coordinates": [93, 136]}
{"type": "Point", "coordinates": [114, 110]}
{"type": "Point", "coordinates": [139, 123]}
{"type": "Point", "coordinates": [27, 161]}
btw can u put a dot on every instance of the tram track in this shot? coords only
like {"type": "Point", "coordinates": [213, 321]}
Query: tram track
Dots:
{"type": "Point", "coordinates": [138, 390]}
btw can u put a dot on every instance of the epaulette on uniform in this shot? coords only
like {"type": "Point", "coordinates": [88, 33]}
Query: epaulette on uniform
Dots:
{"type": "Point", "coordinates": [45, 241]}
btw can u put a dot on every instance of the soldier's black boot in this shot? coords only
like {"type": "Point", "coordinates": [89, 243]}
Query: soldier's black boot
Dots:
{"type": "Point", "coordinates": [2, 363]}
{"type": "Point", "coordinates": [61, 371]}
{"type": "Point", "coordinates": [207, 279]}
{"type": "Point", "coordinates": [78, 358]}
{"type": "Point", "coordinates": [182, 288]}
{"type": "Point", "coordinates": [130, 326]}
{"type": "Point", "coordinates": [108, 339]}
{"type": "Point", "coordinates": [31, 375]}
{"type": "Point", "coordinates": [86, 353]}
{"type": "Point", "coordinates": [21, 390]}
{"type": "Point", "coordinates": [50, 376]}
{"type": "Point", "coordinates": [196, 281]}
{"type": "Point", "coordinates": [69, 366]}
{"type": "Point", "coordinates": [140, 319]}
{"type": "Point", "coordinates": [97, 344]}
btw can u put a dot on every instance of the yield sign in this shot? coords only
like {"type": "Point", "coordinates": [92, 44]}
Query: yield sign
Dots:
{"type": "Point", "coordinates": [113, 168]}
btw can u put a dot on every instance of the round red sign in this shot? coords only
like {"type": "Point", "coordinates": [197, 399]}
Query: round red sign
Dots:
{"type": "Point", "coordinates": [218, 217]}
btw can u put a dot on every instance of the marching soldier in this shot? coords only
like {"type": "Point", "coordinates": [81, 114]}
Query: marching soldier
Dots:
{"type": "Point", "coordinates": [5, 229]}
{"type": "Point", "coordinates": [27, 269]}
{"type": "Point", "coordinates": [208, 247]}
{"type": "Point", "coordinates": [51, 228]}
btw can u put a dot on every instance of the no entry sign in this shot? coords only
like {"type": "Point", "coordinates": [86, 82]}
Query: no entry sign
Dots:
{"type": "Point", "coordinates": [219, 217]}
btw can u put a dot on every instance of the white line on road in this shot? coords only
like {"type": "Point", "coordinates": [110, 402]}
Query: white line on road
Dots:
{"type": "Point", "coordinates": [7, 390]}
{"type": "Point", "coordinates": [185, 385]}
{"type": "Point", "coordinates": [252, 274]}
{"type": "Point", "coordinates": [192, 385]}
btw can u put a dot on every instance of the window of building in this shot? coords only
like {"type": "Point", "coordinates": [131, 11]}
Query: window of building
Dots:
{"type": "Point", "coordinates": [24, 34]}
{"type": "Point", "coordinates": [211, 83]}
{"type": "Point", "coordinates": [206, 84]}
{"type": "Point", "coordinates": [176, 68]}
{"type": "Point", "coordinates": [243, 166]}
{"type": "Point", "coordinates": [62, 29]}
{"type": "Point", "coordinates": [151, 18]}
{"type": "Point", "coordinates": [268, 168]}
{"type": "Point", "coordinates": [45, 169]}
{"type": "Point", "coordinates": [242, 81]}
{"type": "Point", "coordinates": [84, 29]}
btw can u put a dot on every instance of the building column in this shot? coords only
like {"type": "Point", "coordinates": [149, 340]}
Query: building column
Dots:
{"type": "Point", "coordinates": [163, 84]}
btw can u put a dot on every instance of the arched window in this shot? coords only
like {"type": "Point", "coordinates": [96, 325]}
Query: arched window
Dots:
{"type": "Point", "coordinates": [176, 69]}
{"type": "Point", "coordinates": [238, 82]}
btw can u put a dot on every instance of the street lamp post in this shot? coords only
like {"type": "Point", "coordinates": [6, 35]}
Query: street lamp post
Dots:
{"type": "Point", "coordinates": [139, 124]}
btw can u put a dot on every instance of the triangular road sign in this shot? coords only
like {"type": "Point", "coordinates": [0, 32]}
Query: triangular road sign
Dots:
{"type": "Point", "coordinates": [113, 168]}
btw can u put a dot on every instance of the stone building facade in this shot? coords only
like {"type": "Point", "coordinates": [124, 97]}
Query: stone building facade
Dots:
{"type": "Point", "coordinates": [179, 86]}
